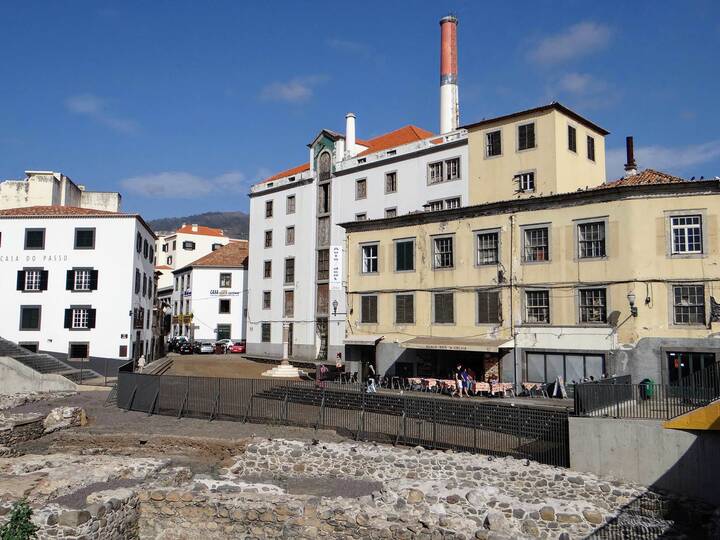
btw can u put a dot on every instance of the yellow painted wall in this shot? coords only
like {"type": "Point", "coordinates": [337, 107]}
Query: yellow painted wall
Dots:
{"type": "Point", "coordinates": [557, 169]}
{"type": "Point", "coordinates": [636, 254]}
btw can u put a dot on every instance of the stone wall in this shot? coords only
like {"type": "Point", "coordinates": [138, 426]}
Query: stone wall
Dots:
{"type": "Point", "coordinates": [14, 431]}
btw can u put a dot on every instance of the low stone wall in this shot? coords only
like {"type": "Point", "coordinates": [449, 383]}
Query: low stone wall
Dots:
{"type": "Point", "coordinates": [16, 430]}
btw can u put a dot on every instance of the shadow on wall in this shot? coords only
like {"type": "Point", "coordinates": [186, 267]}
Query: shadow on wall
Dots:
{"type": "Point", "coordinates": [662, 512]}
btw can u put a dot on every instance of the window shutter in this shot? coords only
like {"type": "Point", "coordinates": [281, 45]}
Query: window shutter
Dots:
{"type": "Point", "coordinates": [93, 280]}
{"type": "Point", "coordinates": [70, 281]}
{"type": "Point", "coordinates": [68, 318]}
{"type": "Point", "coordinates": [21, 280]}
{"type": "Point", "coordinates": [91, 318]}
{"type": "Point", "coordinates": [44, 280]}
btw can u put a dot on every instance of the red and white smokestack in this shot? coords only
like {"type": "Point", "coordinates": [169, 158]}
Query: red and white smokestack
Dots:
{"type": "Point", "coordinates": [449, 103]}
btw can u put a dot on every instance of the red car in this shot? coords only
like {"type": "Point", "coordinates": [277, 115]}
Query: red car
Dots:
{"type": "Point", "coordinates": [237, 347]}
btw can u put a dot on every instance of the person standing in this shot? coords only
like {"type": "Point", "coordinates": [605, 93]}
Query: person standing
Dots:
{"type": "Point", "coordinates": [371, 388]}
{"type": "Point", "coordinates": [458, 380]}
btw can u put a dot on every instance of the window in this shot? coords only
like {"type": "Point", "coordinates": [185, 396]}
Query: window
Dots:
{"type": "Point", "coordinates": [34, 238]}
{"type": "Point", "coordinates": [443, 252]}
{"type": "Point", "coordinates": [265, 332]}
{"type": "Point", "coordinates": [290, 204]}
{"type": "Point", "coordinates": [289, 236]}
{"type": "Point", "coordinates": [525, 181]}
{"type": "Point", "coordinates": [444, 308]}
{"type": "Point", "coordinates": [361, 217]}
{"type": "Point", "coordinates": [593, 306]}
{"type": "Point", "coordinates": [174, 245]}
{"type": "Point", "coordinates": [267, 269]}
{"type": "Point", "coordinates": [322, 300]}
{"type": "Point", "coordinates": [526, 136]}
{"type": "Point", "coordinates": [537, 307]}
{"type": "Point", "coordinates": [32, 280]}
{"type": "Point", "coordinates": [188, 245]}
{"type": "Point", "coordinates": [591, 240]}
{"type": "Point", "coordinates": [266, 300]}
{"type": "Point", "coordinates": [391, 182]}
{"type": "Point", "coordinates": [165, 248]}
{"type": "Point", "coordinates": [404, 309]}
{"type": "Point", "coordinates": [80, 351]}
{"type": "Point", "coordinates": [215, 247]}
{"type": "Point", "coordinates": [591, 148]}
{"type": "Point", "coordinates": [370, 259]}
{"type": "Point", "coordinates": [268, 239]}
{"type": "Point", "coordinates": [152, 255]}
{"type": "Point", "coordinates": [224, 305]}
{"type": "Point", "coordinates": [489, 309]}
{"type": "Point", "coordinates": [573, 368]}
{"type": "Point", "coordinates": [537, 246]}
{"type": "Point", "coordinates": [137, 281]}
{"type": "Point", "coordinates": [572, 139]}
{"type": "Point", "coordinates": [289, 304]}
{"type": "Point", "coordinates": [324, 198]}
{"type": "Point", "coordinates": [368, 309]}
{"type": "Point", "coordinates": [689, 304]}
{"type": "Point", "coordinates": [686, 234]}
{"type": "Point", "coordinates": [32, 346]}
{"type": "Point", "coordinates": [493, 145]}
{"type": "Point", "coordinates": [79, 319]}
{"type": "Point", "coordinates": [84, 238]}
{"type": "Point", "coordinates": [390, 212]}
{"type": "Point", "coordinates": [452, 203]}
{"type": "Point", "coordinates": [488, 244]}
{"type": "Point", "coordinates": [289, 271]}
{"type": "Point", "coordinates": [29, 317]}
{"type": "Point", "coordinates": [145, 249]}
{"type": "Point", "coordinates": [452, 169]}
{"type": "Point", "coordinates": [323, 264]}
{"type": "Point", "coordinates": [404, 255]}
{"type": "Point", "coordinates": [435, 172]}
{"type": "Point", "coordinates": [144, 284]}
{"type": "Point", "coordinates": [138, 243]}
{"type": "Point", "coordinates": [361, 189]}
{"type": "Point", "coordinates": [225, 280]}
{"type": "Point", "coordinates": [224, 331]}
{"type": "Point", "coordinates": [169, 260]}
{"type": "Point", "coordinates": [434, 206]}
{"type": "Point", "coordinates": [268, 209]}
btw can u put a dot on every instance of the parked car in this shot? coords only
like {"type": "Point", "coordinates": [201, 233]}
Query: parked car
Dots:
{"type": "Point", "coordinates": [186, 347]}
{"type": "Point", "coordinates": [225, 344]}
{"type": "Point", "coordinates": [175, 342]}
{"type": "Point", "coordinates": [237, 347]}
{"type": "Point", "coordinates": [204, 347]}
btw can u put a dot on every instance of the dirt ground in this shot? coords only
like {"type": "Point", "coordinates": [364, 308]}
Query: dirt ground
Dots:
{"type": "Point", "coordinates": [217, 365]}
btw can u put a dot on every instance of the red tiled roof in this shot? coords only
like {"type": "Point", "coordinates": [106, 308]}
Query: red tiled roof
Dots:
{"type": "Point", "coordinates": [163, 267]}
{"type": "Point", "coordinates": [232, 255]}
{"type": "Point", "coordinates": [42, 211]}
{"type": "Point", "coordinates": [647, 176]}
{"type": "Point", "coordinates": [201, 229]}
{"type": "Point", "coordinates": [404, 135]}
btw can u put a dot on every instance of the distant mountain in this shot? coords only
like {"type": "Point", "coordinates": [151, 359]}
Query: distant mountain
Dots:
{"type": "Point", "coordinates": [235, 224]}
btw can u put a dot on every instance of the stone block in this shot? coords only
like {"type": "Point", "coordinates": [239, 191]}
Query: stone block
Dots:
{"type": "Point", "coordinates": [73, 518]}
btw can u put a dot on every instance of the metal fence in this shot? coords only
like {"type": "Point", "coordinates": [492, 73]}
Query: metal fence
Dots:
{"type": "Point", "coordinates": [483, 427]}
{"type": "Point", "coordinates": [618, 398]}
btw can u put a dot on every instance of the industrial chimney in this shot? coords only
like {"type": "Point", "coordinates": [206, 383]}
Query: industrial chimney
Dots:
{"type": "Point", "coordinates": [630, 165]}
{"type": "Point", "coordinates": [350, 131]}
{"type": "Point", "coordinates": [449, 105]}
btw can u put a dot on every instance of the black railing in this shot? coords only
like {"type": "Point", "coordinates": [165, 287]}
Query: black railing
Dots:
{"type": "Point", "coordinates": [618, 398]}
{"type": "Point", "coordinates": [484, 427]}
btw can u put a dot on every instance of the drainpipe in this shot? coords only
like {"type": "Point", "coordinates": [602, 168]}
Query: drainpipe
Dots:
{"type": "Point", "coordinates": [513, 333]}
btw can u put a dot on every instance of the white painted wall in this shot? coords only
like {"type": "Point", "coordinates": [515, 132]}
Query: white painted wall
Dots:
{"type": "Point", "coordinates": [114, 257]}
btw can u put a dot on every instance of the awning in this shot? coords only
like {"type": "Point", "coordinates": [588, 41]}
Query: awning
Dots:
{"type": "Point", "coordinates": [456, 344]}
{"type": "Point", "coordinates": [363, 339]}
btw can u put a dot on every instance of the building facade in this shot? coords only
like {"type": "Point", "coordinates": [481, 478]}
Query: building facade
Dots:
{"type": "Point", "coordinates": [48, 188]}
{"type": "Point", "coordinates": [77, 283]}
{"type": "Point", "coordinates": [209, 296]}
{"type": "Point", "coordinates": [615, 279]}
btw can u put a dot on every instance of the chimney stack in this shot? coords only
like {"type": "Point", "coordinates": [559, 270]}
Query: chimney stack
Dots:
{"type": "Point", "coordinates": [449, 104]}
{"type": "Point", "coordinates": [350, 132]}
{"type": "Point", "coordinates": [630, 165]}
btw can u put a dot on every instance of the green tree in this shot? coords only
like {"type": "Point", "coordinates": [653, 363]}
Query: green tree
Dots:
{"type": "Point", "coordinates": [19, 527]}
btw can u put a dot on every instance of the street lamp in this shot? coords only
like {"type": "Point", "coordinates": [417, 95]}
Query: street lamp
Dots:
{"type": "Point", "coordinates": [633, 307]}
{"type": "Point", "coordinates": [335, 306]}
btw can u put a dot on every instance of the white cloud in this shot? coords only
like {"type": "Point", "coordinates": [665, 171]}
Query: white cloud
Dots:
{"type": "Point", "coordinates": [95, 108]}
{"type": "Point", "coordinates": [184, 185]}
{"type": "Point", "coordinates": [578, 40]}
{"type": "Point", "coordinates": [664, 158]}
{"type": "Point", "coordinates": [578, 83]}
{"type": "Point", "coordinates": [295, 90]}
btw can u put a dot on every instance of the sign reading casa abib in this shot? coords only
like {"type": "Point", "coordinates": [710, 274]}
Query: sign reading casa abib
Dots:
{"type": "Point", "coordinates": [224, 292]}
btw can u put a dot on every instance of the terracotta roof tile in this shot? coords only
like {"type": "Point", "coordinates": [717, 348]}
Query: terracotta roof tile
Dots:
{"type": "Point", "coordinates": [647, 176]}
{"type": "Point", "coordinates": [404, 135]}
{"type": "Point", "coordinates": [201, 229]}
{"type": "Point", "coordinates": [42, 211]}
{"type": "Point", "coordinates": [232, 255]}
{"type": "Point", "coordinates": [163, 267]}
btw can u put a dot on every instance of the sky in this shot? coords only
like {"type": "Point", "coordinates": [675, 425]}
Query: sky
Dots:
{"type": "Point", "coordinates": [181, 106]}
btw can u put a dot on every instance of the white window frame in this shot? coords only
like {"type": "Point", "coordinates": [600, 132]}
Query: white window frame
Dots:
{"type": "Point", "coordinates": [81, 279]}
{"type": "Point", "coordinates": [488, 134]}
{"type": "Point", "coordinates": [80, 318]}
{"type": "Point", "coordinates": [526, 182]}
{"type": "Point", "coordinates": [684, 229]}
{"type": "Point", "coordinates": [33, 279]}
{"type": "Point", "coordinates": [395, 181]}
{"type": "Point", "coordinates": [367, 258]}
{"type": "Point", "coordinates": [528, 307]}
{"type": "Point", "coordinates": [438, 256]}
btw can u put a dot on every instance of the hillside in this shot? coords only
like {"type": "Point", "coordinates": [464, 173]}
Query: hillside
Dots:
{"type": "Point", "coordinates": [235, 224]}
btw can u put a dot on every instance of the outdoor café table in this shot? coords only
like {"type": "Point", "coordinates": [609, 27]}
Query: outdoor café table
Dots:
{"type": "Point", "coordinates": [501, 388]}
{"type": "Point", "coordinates": [481, 387]}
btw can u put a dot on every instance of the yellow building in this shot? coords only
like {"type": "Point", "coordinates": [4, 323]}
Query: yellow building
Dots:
{"type": "Point", "coordinates": [536, 152]}
{"type": "Point", "coordinates": [612, 279]}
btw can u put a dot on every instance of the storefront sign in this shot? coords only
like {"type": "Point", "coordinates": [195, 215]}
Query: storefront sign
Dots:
{"type": "Point", "coordinates": [336, 260]}
{"type": "Point", "coordinates": [33, 258]}
{"type": "Point", "coordinates": [224, 292]}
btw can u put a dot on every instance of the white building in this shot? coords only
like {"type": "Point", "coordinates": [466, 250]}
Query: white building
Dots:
{"type": "Point", "coordinates": [48, 188]}
{"type": "Point", "coordinates": [210, 295]}
{"type": "Point", "coordinates": [77, 283]}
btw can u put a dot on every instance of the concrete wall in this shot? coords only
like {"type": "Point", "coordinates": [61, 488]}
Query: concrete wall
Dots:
{"type": "Point", "coordinates": [17, 378]}
{"type": "Point", "coordinates": [683, 462]}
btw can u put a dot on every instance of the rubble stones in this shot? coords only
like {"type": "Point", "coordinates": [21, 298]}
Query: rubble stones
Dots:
{"type": "Point", "coordinates": [64, 417]}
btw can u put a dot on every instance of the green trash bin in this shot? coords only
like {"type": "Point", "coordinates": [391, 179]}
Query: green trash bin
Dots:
{"type": "Point", "coordinates": [647, 388]}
